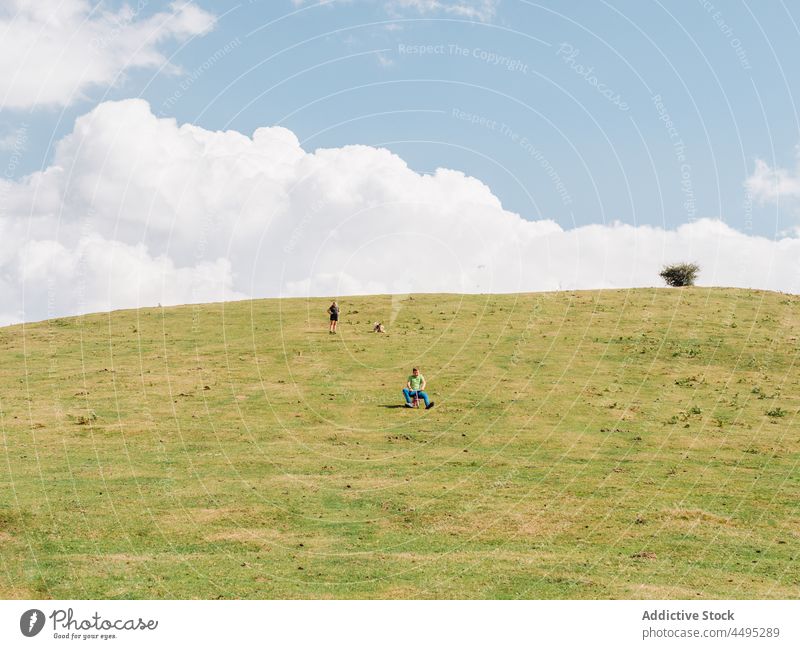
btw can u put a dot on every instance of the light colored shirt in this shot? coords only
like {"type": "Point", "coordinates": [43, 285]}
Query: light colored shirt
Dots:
{"type": "Point", "coordinates": [416, 381]}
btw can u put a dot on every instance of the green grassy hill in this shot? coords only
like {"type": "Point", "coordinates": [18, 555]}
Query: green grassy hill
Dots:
{"type": "Point", "coordinates": [598, 444]}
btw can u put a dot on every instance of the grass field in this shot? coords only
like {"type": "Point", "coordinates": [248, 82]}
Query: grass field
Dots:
{"type": "Point", "coordinates": [597, 444]}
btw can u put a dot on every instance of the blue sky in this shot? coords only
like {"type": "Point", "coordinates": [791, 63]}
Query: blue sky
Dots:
{"type": "Point", "coordinates": [344, 73]}
{"type": "Point", "coordinates": [578, 114]}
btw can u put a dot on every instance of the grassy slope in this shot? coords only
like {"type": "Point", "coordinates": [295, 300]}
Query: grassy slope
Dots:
{"type": "Point", "coordinates": [585, 445]}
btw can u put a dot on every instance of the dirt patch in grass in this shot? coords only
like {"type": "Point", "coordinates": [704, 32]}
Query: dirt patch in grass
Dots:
{"type": "Point", "coordinates": [269, 539]}
{"type": "Point", "coordinates": [645, 554]}
{"type": "Point", "coordinates": [659, 591]}
{"type": "Point", "coordinates": [121, 557]}
{"type": "Point", "coordinates": [200, 516]}
{"type": "Point", "coordinates": [17, 592]}
{"type": "Point", "coordinates": [263, 538]}
{"type": "Point", "coordinates": [697, 516]}
{"type": "Point", "coordinates": [521, 521]}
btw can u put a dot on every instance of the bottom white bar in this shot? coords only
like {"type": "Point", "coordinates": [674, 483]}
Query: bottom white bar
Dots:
{"type": "Point", "coordinates": [391, 624]}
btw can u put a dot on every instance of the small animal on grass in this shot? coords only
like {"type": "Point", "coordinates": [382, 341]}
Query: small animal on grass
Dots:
{"type": "Point", "coordinates": [378, 328]}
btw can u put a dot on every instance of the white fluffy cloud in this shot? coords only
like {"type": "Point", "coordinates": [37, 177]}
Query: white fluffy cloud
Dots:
{"type": "Point", "coordinates": [483, 10]}
{"type": "Point", "coordinates": [136, 210]}
{"type": "Point", "coordinates": [54, 50]}
{"type": "Point", "coordinates": [768, 184]}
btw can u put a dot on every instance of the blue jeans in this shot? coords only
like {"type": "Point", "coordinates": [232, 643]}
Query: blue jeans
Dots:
{"type": "Point", "coordinates": [419, 394]}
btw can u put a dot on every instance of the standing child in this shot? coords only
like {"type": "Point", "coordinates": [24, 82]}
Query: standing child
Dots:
{"type": "Point", "coordinates": [333, 309]}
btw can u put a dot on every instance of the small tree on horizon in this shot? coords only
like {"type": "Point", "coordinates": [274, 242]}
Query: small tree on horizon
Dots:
{"type": "Point", "coordinates": [680, 274]}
